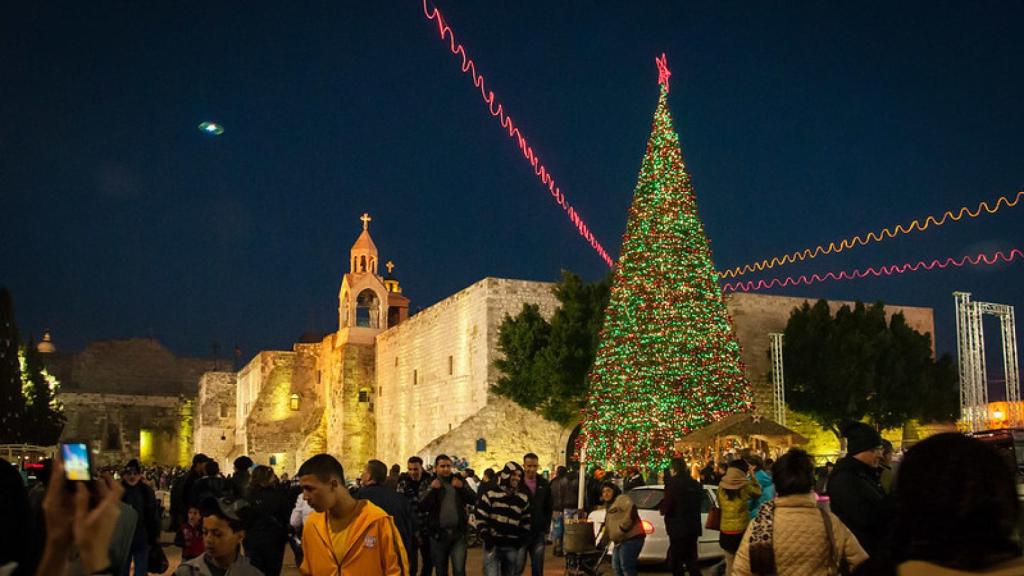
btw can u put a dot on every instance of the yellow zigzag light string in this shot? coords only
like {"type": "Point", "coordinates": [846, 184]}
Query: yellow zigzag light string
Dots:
{"type": "Point", "coordinates": [863, 240]}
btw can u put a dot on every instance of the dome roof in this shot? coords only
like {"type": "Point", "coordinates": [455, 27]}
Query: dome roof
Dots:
{"type": "Point", "coordinates": [46, 345]}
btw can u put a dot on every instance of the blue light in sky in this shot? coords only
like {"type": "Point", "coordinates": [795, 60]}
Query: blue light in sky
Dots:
{"type": "Point", "coordinates": [211, 128]}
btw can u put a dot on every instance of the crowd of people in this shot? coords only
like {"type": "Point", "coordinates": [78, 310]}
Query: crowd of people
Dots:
{"type": "Point", "coordinates": [950, 507]}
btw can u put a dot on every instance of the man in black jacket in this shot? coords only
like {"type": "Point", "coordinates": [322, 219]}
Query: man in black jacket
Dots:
{"type": "Point", "coordinates": [414, 485]}
{"type": "Point", "coordinates": [142, 499]}
{"type": "Point", "coordinates": [448, 522]}
{"type": "Point", "coordinates": [181, 490]}
{"type": "Point", "coordinates": [240, 478]}
{"type": "Point", "coordinates": [375, 489]}
{"type": "Point", "coordinates": [541, 505]}
{"type": "Point", "coordinates": [681, 509]}
{"type": "Point", "coordinates": [561, 498]}
{"type": "Point", "coordinates": [855, 493]}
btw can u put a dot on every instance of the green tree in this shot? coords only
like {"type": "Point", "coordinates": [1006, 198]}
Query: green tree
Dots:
{"type": "Point", "coordinates": [545, 364]}
{"type": "Point", "coordinates": [44, 416]}
{"type": "Point", "coordinates": [857, 365]}
{"type": "Point", "coordinates": [521, 339]}
{"type": "Point", "coordinates": [12, 402]}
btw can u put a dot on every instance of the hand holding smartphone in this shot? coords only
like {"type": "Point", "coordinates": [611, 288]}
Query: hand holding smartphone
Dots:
{"type": "Point", "coordinates": [77, 462]}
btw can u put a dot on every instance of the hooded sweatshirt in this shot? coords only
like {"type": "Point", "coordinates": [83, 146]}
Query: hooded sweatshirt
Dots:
{"type": "Point", "coordinates": [198, 567]}
{"type": "Point", "coordinates": [503, 515]}
{"type": "Point", "coordinates": [369, 545]}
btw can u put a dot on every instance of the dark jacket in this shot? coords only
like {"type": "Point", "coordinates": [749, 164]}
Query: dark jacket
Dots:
{"type": "Point", "coordinates": [396, 506]}
{"type": "Point", "coordinates": [210, 487]}
{"type": "Point", "coordinates": [181, 490]}
{"type": "Point", "coordinates": [681, 507]}
{"type": "Point", "coordinates": [414, 491]}
{"type": "Point", "coordinates": [433, 499]}
{"type": "Point", "coordinates": [857, 498]}
{"type": "Point", "coordinates": [562, 496]}
{"type": "Point", "coordinates": [240, 480]}
{"type": "Point", "coordinates": [143, 500]}
{"type": "Point", "coordinates": [541, 505]}
{"type": "Point", "coordinates": [270, 512]}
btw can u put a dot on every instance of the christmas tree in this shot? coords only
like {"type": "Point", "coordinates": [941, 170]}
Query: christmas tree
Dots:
{"type": "Point", "coordinates": [668, 361]}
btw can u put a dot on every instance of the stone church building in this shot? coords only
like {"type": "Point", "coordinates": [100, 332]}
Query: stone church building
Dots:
{"type": "Point", "coordinates": [388, 386]}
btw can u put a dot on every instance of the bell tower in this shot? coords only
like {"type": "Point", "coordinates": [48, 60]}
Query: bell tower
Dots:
{"type": "Point", "coordinates": [367, 302]}
{"type": "Point", "coordinates": [364, 251]}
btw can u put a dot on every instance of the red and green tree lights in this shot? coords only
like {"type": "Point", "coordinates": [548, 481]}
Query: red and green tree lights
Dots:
{"type": "Point", "coordinates": [668, 361]}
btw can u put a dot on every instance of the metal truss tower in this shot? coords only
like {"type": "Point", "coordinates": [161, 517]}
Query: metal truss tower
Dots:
{"type": "Point", "coordinates": [778, 382]}
{"type": "Point", "coordinates": [971, 355]}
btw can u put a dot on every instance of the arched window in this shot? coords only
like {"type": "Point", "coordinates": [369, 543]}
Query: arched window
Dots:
{"type": "Point", "coordinates": [293, 402]}
{"type": "Point", "coordinates": [364, 394]}
{"type": "Point", "coordinates": [362, 263]}
{"type": "Point", "coordinates": [373, 264]}
{"type": "Point", "coordinates": [368, 309]}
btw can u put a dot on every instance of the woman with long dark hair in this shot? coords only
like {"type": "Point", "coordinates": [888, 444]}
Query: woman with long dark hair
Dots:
{"type": "Point", "coordinates": [956, 512]}
{"type": "Point", "coordinates": [271, 508]}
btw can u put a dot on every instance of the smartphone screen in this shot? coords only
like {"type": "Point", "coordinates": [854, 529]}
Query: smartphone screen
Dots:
{"type": "Point", "coordinates": [76, 461]}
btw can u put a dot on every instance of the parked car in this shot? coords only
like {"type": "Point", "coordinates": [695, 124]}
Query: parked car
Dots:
{"type": "Point", "coordinates": [655, 550]}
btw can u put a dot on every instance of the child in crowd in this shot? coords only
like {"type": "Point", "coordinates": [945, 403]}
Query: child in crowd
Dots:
{"type": "Point", "coordinates": [190, 537]}
{"type": "Point", "coordinates": [223, 532]}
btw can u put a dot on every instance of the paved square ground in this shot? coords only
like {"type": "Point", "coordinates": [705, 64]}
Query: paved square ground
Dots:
{"type": "Point", "coordinates": [474, 564]}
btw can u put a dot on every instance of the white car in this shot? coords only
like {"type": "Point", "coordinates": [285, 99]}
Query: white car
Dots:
{"type": "Point", "coordinates": [655, 550]}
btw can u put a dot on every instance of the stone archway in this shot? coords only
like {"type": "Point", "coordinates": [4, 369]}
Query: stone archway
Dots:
{"type": "Point", "coordinates": [368, 309]}
{"type": "Point", "coordinates": [567, 446]}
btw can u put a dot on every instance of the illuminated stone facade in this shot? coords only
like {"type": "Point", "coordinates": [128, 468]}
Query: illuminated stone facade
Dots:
{"type": "Point", "coordinates": [214, 416]}
{"type": "Point", "coordinates": [318, 397]}
{"type": "Point", "coordinates": [130, 398]}
{"type": "Point", "coordinates": [387, 386]}
{"type": "Point", "coordinates": [436, 370]}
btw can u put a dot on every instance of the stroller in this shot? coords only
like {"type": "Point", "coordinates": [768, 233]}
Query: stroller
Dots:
{"type": "Point", "coordinates": [587, 560]}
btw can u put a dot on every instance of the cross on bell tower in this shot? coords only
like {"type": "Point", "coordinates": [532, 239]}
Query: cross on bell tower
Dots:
{"type": "Point", "coordinates": [366, 220]}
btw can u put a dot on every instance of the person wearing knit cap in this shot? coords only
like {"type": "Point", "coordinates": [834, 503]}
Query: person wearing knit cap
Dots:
{"type": "Point", "coordinates": [855, 493]}
{"type": "Point", "coordinates": [503, 522]}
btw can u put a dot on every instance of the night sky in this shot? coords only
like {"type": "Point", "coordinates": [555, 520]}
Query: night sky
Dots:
{"type": "Point", "coordinates": [801, 123]}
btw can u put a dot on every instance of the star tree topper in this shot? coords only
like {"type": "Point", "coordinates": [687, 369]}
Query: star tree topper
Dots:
{"type": "Point", "coordinates": [663, 71]}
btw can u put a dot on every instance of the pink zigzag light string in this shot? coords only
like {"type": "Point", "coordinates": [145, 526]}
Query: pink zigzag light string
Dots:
{"type": "Point", "coordinates": [890, 270]}
{"type": "Point", "coordinates": [468, 66]}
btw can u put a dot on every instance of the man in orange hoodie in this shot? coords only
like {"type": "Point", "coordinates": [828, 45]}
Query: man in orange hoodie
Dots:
{"type": "Point", "coordinates": [345, 536]}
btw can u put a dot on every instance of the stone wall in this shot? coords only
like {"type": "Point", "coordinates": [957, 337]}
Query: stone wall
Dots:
{"type": "Point", "coordinates": [132, 366]}
{"type": "Point", "coordinates": [121, 426]}
{"type": "Point", "coordinates": [348, 381]}
{"type": "Point", "coordinates": [215, 416]}
{"type": "Point", "coordinates": [273, 425]}
{"type": "Point", "coordinates": [506, 431]}
{"type": "Point", "coordinates": [435, 370]}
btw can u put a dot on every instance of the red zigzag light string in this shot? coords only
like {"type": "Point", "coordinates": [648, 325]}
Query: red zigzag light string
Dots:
{"type": "Point", "coordinates": [468, 66]}
{"type": "Point", "coordinates": [891, 270]}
